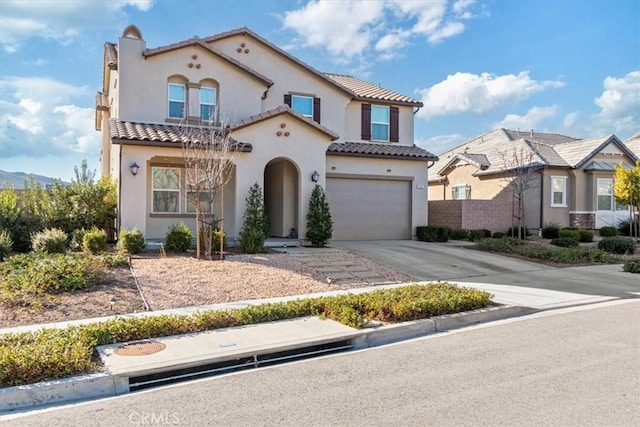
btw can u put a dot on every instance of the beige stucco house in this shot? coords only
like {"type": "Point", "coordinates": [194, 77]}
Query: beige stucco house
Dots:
{"type": "Point", "coordinates": [634, 144]}
{"type": "Point", "coordinates": [571, 182]}
{"type": "Point", "coordinates": [289, 121]}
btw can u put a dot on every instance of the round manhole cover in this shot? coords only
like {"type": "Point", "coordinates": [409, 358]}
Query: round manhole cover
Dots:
{"type": "Point", "coordinates": [141, 348]}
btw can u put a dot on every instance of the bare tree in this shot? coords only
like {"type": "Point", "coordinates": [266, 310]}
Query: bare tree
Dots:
{"type": "Point", "coordinates": [520, 165]}
{"type": "Point", "coordinates": [209, 155]}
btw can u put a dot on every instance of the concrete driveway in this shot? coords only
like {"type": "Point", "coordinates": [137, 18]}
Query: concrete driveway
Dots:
{"type": "Point", "coordinates": [446, 261]}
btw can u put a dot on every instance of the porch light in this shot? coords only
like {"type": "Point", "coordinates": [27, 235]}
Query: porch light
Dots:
{"type": "Point", "coordinates": [134, 168]}
{"type": "Point", "coordinates": [315, 176]}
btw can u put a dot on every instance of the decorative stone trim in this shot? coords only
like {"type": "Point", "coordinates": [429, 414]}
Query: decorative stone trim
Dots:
{"type": "Point", "coordinates": [582, 219]}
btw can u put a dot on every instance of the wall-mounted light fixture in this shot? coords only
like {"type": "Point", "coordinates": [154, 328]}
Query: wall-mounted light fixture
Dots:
{"type": "Point", "coordinates": [315, 176]}
{"type": "Point", "coordinates": [134, 168]}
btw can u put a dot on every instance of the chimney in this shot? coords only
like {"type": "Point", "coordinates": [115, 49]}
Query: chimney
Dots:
{"type": "Point", "coordinates": [531, 133]}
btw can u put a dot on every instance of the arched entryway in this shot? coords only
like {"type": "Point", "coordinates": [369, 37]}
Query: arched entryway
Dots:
{"type": "Point", "coordinates": [281, 183]}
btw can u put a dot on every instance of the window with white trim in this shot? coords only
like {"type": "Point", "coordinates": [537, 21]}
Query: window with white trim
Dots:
{"type": "Point", "coordinates": [461, 192]}
{"type": "Point", "coordinates": [559, 191]}
{"type": "Point", "coordinates": [302, 105]}
{"type": "Point", "coordinates": [165, 189]}
{"type": "Point", "coordinates": [207, 103]}
{"type": "Point", "coordinates": [605, 194]}
{"type": "Point", "coordinates": [379, 123]}
{"type": "Point", "coordinates": [177, 99]}
{"type": "Point", "coordinates": [197, 184]}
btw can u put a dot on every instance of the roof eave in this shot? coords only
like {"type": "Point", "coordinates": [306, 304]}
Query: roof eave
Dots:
{"type": "Point", "coordinates": [381, 156]}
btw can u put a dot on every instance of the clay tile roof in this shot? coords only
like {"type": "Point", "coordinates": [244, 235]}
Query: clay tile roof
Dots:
{"type": "Point", "coordinates": [101, 101]}
{"type": "Point", "coordinates": [360, 149]}
{"type": "Point", "coordinates": [368, 91]}
{"type": "Point", "coordinates": [199, 42]}
{"type": "Point", "coordinates": [543, 137]}
{"type": "Point", "coordinates": [163, 135]}
{"type": "Point", "coordinates": [284, 109]}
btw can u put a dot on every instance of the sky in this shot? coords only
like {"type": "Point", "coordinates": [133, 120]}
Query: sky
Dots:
{"type": "Point", "coordinates": [562, 66]}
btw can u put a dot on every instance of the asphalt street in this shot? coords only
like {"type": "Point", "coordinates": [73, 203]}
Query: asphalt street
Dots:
{"type": "Point", "coordinates": [578, 366]}
{"type": "Point", "coordinates": [433, 261]}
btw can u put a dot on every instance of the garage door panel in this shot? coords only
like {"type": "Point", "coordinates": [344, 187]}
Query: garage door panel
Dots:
{"type": "Point", "coordinates": [369, 209]}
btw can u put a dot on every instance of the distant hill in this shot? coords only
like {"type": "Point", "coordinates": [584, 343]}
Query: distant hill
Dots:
{"type": "Point", "coordinates": [16, 179]}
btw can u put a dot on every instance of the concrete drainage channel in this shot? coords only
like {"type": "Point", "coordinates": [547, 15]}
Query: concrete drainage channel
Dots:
{"type": "Point", "coordinates": [228, 366]}
{"type": "Point", "coordinates": [152, 363]}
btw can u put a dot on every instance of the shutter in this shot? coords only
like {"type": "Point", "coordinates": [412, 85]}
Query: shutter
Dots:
{"type": "Point", "coordinates": [287, 99]}
{"type": "Point", "coordinates": [366, 122]}
{"type": "Point", "coordinates": [394, 124]}
{"type": "Point", "coordinates": [316, 110]}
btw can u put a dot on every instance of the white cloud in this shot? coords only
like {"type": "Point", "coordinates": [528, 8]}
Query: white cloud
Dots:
{"type": "Point", "coordinates": [38, 118]}
{"type": "Point", "coordinates": [619, 104]}
{"type": "Point", "coordinates": [348, 29]}
{"type": "Point", "coordinates": [570, 119]}
{"type": "Point", "coordinates": [530, 120]}
{"type": "Point", "coordinates": [61, 21]}
{"type": "Point", "coordinates": [473, 93]}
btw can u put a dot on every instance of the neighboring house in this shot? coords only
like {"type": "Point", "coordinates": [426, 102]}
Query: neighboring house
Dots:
{"type": "Point", "coordinates": [289, 121]}
{"type": "Point", "coordinates": [634, 144]}
{"type": "Point", "coordinates": [572, 182]}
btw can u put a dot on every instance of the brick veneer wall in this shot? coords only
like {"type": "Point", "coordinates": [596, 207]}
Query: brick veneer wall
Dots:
{"type": "Point", "coordinates": [583, 220]}
{"type": "Point", "coordinates": [494, 215]}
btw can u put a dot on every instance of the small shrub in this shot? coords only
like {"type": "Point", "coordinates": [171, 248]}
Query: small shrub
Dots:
{"type": "Point", "coordinates": [26, 278]}
{"type": "Point", "coordinates": [568, 233]}
{"type": "Point", "coordinates": [478, 234]}
{"type": "Point", "coordinates": [319, 221]}
{"type": "Point", "coordinates": [586, 236]}
{"type": "Point", "coordinates": [76, 239]}
{"type": "Point", "coordinates": [251, 241]}
{"type": "Point", "coordinates": [608, 231]}
{"type": "Point", "coordinates": [215, 240]}
{"type": "Point", "coordinates": [458, 234]}
{"type": "Point", "coordinates": [565, 242]}
{"type": "Point", "coordinates": [499, 235]}
{"type": "Point", "coordinates": [625, 227]}
{"type": "Point", "coordinates": [505, 244]}
{"type": "Point", "coordinates": [513, 232]}
{"type": "Point", "coordinates": [131, 241]}
{"type": "Point", "coordinates": [618, 245]}
{"type": "Point", "coordinates": [178, 238]}
{"type": "Point", "coordinates": [51, 241]}
{"type": "Point", "coordinates": [432, 233]}
{"type": "Point", "coordinates": [6, 244]}
{"type": "Point", "coordinates": [94, 241]}
{"type": "Point", "coordinates": [551, 231]}
{"type": "Point", "coordinates": [632, 266]}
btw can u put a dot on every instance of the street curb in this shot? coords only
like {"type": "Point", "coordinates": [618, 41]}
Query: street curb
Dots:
{"type": "Point", "coordinates": [100, 385]}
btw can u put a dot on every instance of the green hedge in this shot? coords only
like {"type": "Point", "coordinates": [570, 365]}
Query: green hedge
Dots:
{"type": "Point", "coordinates": [632, 266]}
{"type": "Point", "coordinates": [618, 245]}
{"type": "Point", "coordinates": [608, 231]}
{"type": "Point", "coordinates": [57, 353]}
{"type": "Point", "coordinates": [559, 255]}
{"type": "Point", "coordinates": [569, 233]}
{"type": "Point", "coordinates": [458, 234]}
{"type": "Point", "coordinates": [432, 233]}
{"type": "Point", "coordinates": [565, 242]}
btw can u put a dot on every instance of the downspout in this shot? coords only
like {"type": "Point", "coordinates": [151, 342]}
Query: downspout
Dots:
{"type": "Point", "coordinates": [541, 200]}
{"type": "Point", "coordinates": [414, 113]}
{"type": "Point", "coordinates": [119, 192]}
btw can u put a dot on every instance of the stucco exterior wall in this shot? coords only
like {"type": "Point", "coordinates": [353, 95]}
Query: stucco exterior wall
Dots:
{"type": "Point", "coordinates": [416, 171]}
{"type": "Point", "coordinates": [239, 94]}
{"type": "Point", "coordinates": [557, 214]}
{"type": "Point", "coordinates": [482, 188]}
{"type": "Point", "coordinates": [288, 77]}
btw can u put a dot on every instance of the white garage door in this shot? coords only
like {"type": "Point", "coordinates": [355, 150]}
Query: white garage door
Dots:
{"type": "Point", "coordinates": [369, 209]}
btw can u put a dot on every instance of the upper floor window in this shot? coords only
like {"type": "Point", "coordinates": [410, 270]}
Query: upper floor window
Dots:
{"type": "Point", "coordinates": [379, 123]}
{"type": "Point", "coordinates": [207, 103]}
{"type": "Point", "coordinates": [177, 99]}
{"type": "Point", "coordinates": [461, 192]}
{"type": "Point", "coordinates": [558, 191]}
{"type": "Point", "coordinates": [303, 105]}
{"type": "Point", "coordinates": [308, 106]}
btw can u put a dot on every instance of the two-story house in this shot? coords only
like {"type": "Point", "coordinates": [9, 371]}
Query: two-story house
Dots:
{"type": "Point", "coordinates": [295, 127]}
